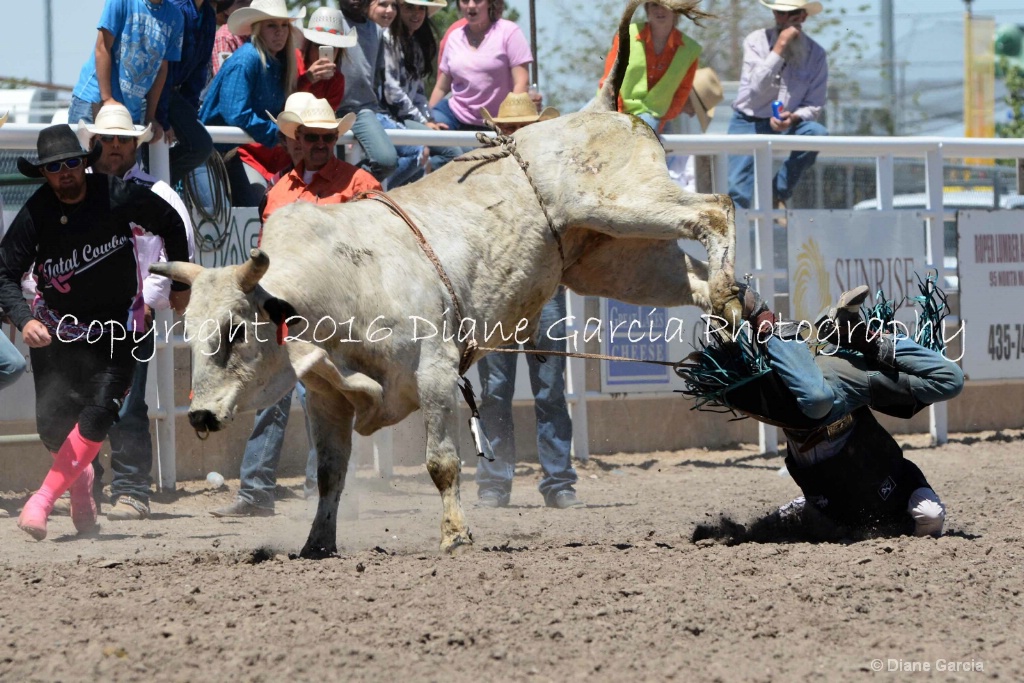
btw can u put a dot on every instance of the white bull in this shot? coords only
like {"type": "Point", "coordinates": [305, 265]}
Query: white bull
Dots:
{"type": "Point", "coordinates": [358, 270]}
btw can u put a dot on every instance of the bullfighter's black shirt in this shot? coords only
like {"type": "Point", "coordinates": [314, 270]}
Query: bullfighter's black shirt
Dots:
{"type": "Point", "coordinates": [86, 268]}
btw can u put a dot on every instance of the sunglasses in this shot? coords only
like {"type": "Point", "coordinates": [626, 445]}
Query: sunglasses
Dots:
{"type": "Point", "coordinates": [123, 139]}
{"type": "Point", "coordinates": [789, 13]}
{"type": "Point", "coordinates": [326, 137]}
{"type": "Point", "coordinates": [70, 164]}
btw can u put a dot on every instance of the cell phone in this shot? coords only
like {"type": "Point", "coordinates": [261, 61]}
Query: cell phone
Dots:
{"type": "Point", "coordinates": [327, 52]}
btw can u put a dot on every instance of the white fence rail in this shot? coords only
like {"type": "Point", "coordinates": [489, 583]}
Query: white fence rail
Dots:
{"type": "Point", "coordinates": [935, 152]}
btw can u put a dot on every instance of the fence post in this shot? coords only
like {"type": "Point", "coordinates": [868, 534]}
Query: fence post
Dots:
{"type": "Point", "coordinates": [884, 181]}
{"type": "Point", "coordinates": [764, 241]}
{"type": "Point", "coordinates": [935, 244]}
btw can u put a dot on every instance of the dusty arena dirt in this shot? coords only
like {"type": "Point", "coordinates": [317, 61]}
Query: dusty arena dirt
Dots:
{"type": "Point", "coordinates": [615, 591]}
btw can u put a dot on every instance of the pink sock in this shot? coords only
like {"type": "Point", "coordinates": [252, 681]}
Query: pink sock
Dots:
{"type": "Point", "coordinates": [75, 454]}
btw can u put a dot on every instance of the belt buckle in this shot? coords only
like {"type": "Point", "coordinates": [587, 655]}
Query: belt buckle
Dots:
{"type": "Point", "coordinates": [839, 426]}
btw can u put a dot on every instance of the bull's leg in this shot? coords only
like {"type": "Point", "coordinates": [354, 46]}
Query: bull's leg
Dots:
{"type": "Point", "coordinates": [438, 403]}
{"type": "Point", "coordinates": [330, 417]}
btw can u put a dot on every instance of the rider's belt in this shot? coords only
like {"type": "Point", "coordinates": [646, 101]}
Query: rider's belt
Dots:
{"type": "Point", "coordinates": [809, 438]}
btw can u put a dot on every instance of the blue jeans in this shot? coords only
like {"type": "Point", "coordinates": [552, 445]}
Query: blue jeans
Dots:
{"type": "Point", "coordinates": [12, 363]}
{"type": "Point", "coordinates": [439, 156]}
{"type": "Point", "coordinates": [828, 387]}
{"type": "Point", "coordinates": [263, 452]}
{"type": "Point", "coordinates": [554, 428]}
{"type": "Point", "coordinates": [381, 156]}
{"type": "Point", "coordinates": [131, 446]}
{"type": "Point", "coordinates": [651, 120]}
{"type": "Point", "coordinates": [741, 168]}
{"type": "Point", "coordinates": [194, 144]}
{"type": "Point", "coordinates": [442, 113]}
{"type": "Point", "coordinates": [409, 156]}
{"type": "Point", "coordinates": [80, 110]}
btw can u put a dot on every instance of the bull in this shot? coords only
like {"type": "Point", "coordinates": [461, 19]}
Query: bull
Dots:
{"type": "Point", "coordinates": [592, 207]}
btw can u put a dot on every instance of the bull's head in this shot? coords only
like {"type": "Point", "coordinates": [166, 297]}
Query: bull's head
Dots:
{"type": "Point", "coordinates": [232, 325]}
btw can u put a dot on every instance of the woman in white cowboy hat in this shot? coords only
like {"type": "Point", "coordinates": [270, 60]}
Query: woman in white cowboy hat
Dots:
{"type": "Point", "coordinates": [256, 79]}
{"type": "Point", "coordinates": [410, 55]}
{"type": "Point", "coordinates": [327, 28]}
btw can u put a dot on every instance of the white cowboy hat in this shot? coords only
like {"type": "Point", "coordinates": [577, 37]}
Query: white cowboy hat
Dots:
{"type": "Point", "coordinates": [811, 8]}
{"type": "Point", "coordinates": [518, 108]}
{"type": "Point", "coordinates": [705, 95]}
{"type": "Point", "coordinates": [114, 119]}
{"type": "Point", "coordinates": [433, 6]}
{"type": "Point", "coordinates": [317, 114]}
{"type": "Point", "coordinates": [327, 26]}
{"type": "Point", "coordinates": [296, 103]}
{"type": "Point", "coordinates": [241, 21]}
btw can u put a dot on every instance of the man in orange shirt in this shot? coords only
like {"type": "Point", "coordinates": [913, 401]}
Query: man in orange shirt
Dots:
{"type": "Point", "coordinates": [659, 76]}
{"type": "Point", "coordinates": [320, 177]}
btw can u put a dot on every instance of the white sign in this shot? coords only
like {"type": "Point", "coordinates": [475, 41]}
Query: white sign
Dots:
{"type": "Point", "coordinates": [833, 251]}
{"type": "Point", "coordinates": [991, 264]}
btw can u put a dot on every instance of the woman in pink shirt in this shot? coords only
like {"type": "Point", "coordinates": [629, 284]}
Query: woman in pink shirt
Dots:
{"type": "Point", "coordinates": [481, 64]}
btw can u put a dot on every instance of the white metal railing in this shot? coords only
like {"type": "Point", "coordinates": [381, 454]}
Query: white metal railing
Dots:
{"type": "Point", "coordinates": [934, 152]}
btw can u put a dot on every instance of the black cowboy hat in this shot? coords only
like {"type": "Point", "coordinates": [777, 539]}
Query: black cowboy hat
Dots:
{"type": "Point", "coordinates": [56, 143]}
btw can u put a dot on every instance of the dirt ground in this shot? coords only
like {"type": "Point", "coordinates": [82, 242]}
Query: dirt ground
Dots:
{"type": "Point", "coordinates": [614, 591]}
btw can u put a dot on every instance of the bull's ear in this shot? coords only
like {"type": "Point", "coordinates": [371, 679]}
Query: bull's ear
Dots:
{"type": "Point", "coordinates": [179, 271]}
{"type": "Point", "coordinates": [278, 310]}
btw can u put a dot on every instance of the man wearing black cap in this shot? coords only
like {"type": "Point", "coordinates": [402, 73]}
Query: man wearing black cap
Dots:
{"type": "Point", "coordinates": [79, 230]}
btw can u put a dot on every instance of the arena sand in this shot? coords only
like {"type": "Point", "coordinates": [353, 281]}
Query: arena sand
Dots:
{"type": "Point", "coordinates": [613, 592]}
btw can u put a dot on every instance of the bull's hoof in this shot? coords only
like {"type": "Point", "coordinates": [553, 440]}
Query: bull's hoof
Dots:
{"type": "Point", "coordinates": [458, 543]}
{"type": "Point", "coordinates": [315, 551]}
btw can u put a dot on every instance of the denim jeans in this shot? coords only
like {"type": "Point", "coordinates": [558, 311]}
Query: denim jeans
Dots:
{"type": "Point", "coordinates": [248, 186]}
{"type": "Point", "coordinates": [741, 168]}
{"type": "Point", "coordinates": [12, 363]}
{"type": "Point", "coordinates": [554, 427]}
{"type": "Point", "coordinates": [80, 110]}
{"type": "Point", "coordinates": [194, 144]}
{"type": "Point", "coordinates": [381, 156]}
{"type": "Point", "coordinates": [651, 120]}
{"type": "Point", "coordinates": [442, 113]}
{"type": "Point", "coordinates": [828, 387]}
{"type": "Point", "coordinates": [409, 156]}
{"type": "Point", "coordinates": [131, 446]}
{"type": "Point", "coordinates": [439, 156]}
{"type": "Point", "coordinates": [263, 452]}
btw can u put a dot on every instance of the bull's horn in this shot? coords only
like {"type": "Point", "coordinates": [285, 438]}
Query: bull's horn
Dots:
{"type": "Point", "coordinates": [180, 271]}
{"type": "Point", "coordinates": [250, 272]}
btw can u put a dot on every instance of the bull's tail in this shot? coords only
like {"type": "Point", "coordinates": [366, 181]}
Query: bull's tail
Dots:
{"type": "Point", "coordinates": [607, 97]}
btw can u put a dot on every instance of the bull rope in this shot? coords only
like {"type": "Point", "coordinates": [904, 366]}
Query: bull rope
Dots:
{"type": "Point", "coordinates": [506, 145]}
{"type": "Point", "coordinates": [471, 346]}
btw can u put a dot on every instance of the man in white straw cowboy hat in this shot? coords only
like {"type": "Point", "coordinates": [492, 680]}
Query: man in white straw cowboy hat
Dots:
{"type": "Point", "coordinates": [131, 448]}
{"type": "Point", "coordinates": [782, 64]}
{"type": "Point", "coordinates": [320, 177]}
{"type": "Point", "coordinates": [79, 230]}
{"type": "Point", "coordinates": [547, 378]}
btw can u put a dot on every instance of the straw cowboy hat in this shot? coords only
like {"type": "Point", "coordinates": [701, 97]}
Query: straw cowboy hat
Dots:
{"type": "Point", "coordinates": [705, 95]}
{"type": "Point", "coordinates": [3, 119]}
{"type": "Point", "coordinates": [317, 114]}
{"type": "Point", "coordinates": [55, 143]}
{"type": "Point", "coordinates": [327, 26]}
{"type": "Point", "coordinates": [295, 103]}
{"type": "Point", "coordinates": [811, 8]}
{"type": "Point", "coordinates": [241, 21]}
{"type": "Point", "coordinates": [433, 6]}
{"type": "Point", "coordinates": [114, 119]}
{"type": "Point", "coordinates": [518, 108]}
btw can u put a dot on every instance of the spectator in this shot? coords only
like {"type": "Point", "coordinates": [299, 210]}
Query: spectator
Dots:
{"type": "Point", "coordinates": [659, 76]}
{"type": "Point", "coordinates": [225, 43]}
{"type": "Point", "coordinates": [135, 41]}
{"type": "Point", "coordinates": [481, 64]}
{"type": "Point", "coordinates": [364, 83]}
{"type": "Point", "coordinates": [498, 379]}
{"type": "Point", "coordinates": [256, 81]}
{"type": "Point", "coordinates": [323, 78]}
{"type": "Point", "coordinates": [779, 63]}
{"type": "Point", "coordinates": [849, 467]}
{"type": "Point", "coordinates": [321, 178]}
{"type": "Point", "coordinates": [410, 157]}
{"type": "Point", "coordinates": [79, 231]}
{"type": "Point", "coordinates": [12, 363]}
{"type": "Point", "coordinates": [410, 50]}
{"type": "Point", "coordinates": [186, 80]}
{"type": "Point", "coordinates": [131, 448]}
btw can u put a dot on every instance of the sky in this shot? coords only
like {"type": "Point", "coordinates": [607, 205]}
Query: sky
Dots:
{"type": "Point", "coordinates": [928, 32]}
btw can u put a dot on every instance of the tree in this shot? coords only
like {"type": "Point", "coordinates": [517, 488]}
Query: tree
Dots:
{"type": "Point", "coordinates": [1015, 98]}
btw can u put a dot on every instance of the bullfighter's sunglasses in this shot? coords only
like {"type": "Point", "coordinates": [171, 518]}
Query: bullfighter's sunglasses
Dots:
{"type": "Point", "coordinates": [70, 164]}
{"type": "Point", "coordinates": [313, 137]}
{"type": "Point", "coordinates": [123, 139]}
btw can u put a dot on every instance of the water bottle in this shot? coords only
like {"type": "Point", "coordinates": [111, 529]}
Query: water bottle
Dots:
{"type": "Point", "coordinates": [215, 480]}
{"type": "Point", "coordinates": [777, 109]}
